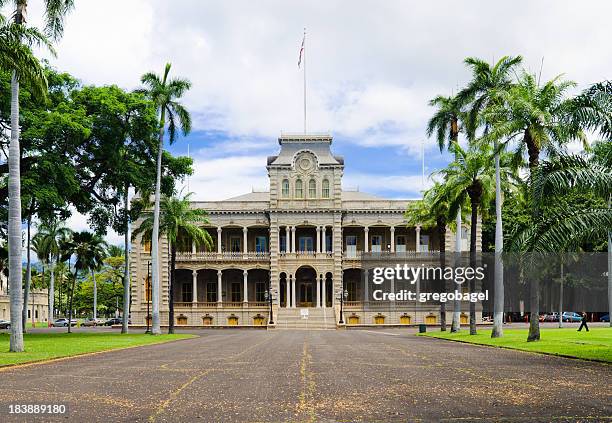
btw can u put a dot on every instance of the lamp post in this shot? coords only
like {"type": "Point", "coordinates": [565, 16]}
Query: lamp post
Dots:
{"type": "Point", "coordinates": [343, 296]}
{"type": "Point", "coordinates": [269, 297]}
{"type": "Point", "coordinates": [148, 295]}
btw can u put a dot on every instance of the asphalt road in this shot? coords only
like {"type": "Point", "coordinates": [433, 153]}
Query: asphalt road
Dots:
{"type": "Point", "coordinates": [315, 376]}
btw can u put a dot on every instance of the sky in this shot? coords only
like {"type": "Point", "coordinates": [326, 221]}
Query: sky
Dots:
{"type": "Point", "coordinates": [372, 67]}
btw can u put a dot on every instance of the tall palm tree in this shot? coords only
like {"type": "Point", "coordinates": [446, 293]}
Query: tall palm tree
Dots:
{"type": "Point", "coordinates": [538, 118]}
{"type": "Point", "coordinates": [88, 251]}
{"type": "Point", "coordinates": [52, 234]}
{"type": "Point", "coordinates": [483, 91]}
{"type": "Point", "coordinates": [180, 223]}
{"type": "Point", "coordinates": [447, 122]}
{"type": "Point", "coordinates": [42, 252]}
{"type": "Point", "coordinates": [165, 93]}
{"type": "Point", "coordinates": [16, 56]}
{"type": "Point", "coordinates": [471, 176]}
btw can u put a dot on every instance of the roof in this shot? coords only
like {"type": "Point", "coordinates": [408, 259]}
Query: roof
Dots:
{"type": "Point", "coordinates": [251, 196]}
{"type": "Point", "coordinates": [294, 143]}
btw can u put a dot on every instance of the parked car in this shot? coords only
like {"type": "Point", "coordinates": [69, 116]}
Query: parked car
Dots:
{"type": "Point", "coordinates": [63, 323]}
{"type": "Point", "coordinates": [5, 324]}
{"type": "Point", "coordinates": [552, 317]}
{"type": "Point", "coordinates": [115, 321]}
{"type": "Point", "coordinates": [90, 321]}
{"type": "Point", "coordinates": [570, 316]}
{"type": "Point", "coordinates": [605, 318]}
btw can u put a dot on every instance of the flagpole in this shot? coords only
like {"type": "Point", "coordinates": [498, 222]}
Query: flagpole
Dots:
{"type": "Point", "coordinates": [304, 80]}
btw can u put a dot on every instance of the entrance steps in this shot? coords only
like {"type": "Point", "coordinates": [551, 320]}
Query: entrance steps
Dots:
{"type": "Point", "coordinates": [318, 318]}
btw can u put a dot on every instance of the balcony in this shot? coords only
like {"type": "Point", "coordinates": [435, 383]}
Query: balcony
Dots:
{"type": "Point", "coordinates": [250, 256]}
{"type": "Point", "coordinates": [225, 304]}
{"type": "Point", "coordinates": [305, 255]}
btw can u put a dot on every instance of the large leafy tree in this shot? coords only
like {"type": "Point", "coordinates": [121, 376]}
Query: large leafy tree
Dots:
{"type": "Point", "coordinates": [485, 90]}
{"type": "Point", "coordinates": [88, 251]}
{"type": "Point", "coordinates": [165, 93]}
{"type": "Point", "coordinates": [17, 57]}
{"type": "Point", "coordinates": [181, 224]}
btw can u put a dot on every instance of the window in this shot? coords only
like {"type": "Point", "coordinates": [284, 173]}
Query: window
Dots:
{"type": "Point", "coordinates": [147, 246]}
{"type": "Point", "coordinates": [260, 291]}
{"type": "Point", "coordinates": [325, 190]}
{"type": "Point", "coordinates": [299, 192]}
{"type": "Point", "coordinates": [187, 293]}
{"type": "Point", "coordinates": [351, 246]}
{"type": "Point", "coordinates": [235, 244]}
{"type": "Point", "coordinates": [424, 247]}
{"type": "Point", "coordinates": [285, 188]}
{"type": "Point", "coordinates": [305, 243]}
{"type": "Point", "coordinates": [211, 292]}
{"type": "Point", "coordinates": [236, 292]}
{"type": "Point", "coordinates": [261, 244]}
{"type": "Point", "coordinates": [312, 189]}
{"type": "Point", "coordinates": [147, 289]}
{"type": "Point", "coordinates": [328, 243]}
{"type": "Point", "coordinates": [401, 244]}
{"type": "Point", "coordinates": [283, 244]}
{"type": "Point", "coordinates": [351, 287]}
{"type": "Point", "coordinates": [376, 243]}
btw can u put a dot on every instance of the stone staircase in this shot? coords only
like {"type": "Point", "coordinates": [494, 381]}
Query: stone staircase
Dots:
{"type": "Point", "coordinates": [318, 318]}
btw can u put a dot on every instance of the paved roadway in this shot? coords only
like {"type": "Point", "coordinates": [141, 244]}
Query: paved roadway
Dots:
{"type": "Point", "coordinates": [313, 376]}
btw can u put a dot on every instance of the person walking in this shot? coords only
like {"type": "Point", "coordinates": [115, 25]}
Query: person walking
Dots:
{"type": "Point", "coordinates": [583, 322]}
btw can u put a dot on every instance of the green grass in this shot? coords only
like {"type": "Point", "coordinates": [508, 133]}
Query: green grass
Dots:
{"type": "Point", "coordinates": [593, 345]}
{"type": "Point", "coordinates": [44, 346]}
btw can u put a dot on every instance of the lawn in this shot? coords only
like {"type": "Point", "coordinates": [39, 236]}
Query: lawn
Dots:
{"type": "Point", "coordinates": [593, 345]}
{"type": "Point", "coordinates": [44, 346]}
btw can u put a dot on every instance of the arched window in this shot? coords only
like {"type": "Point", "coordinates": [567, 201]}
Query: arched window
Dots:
{"type": "Point", "coordinates": [285, 188]}
{"type": "Point", "coordinates": [312, 188]}
{"type": "Point", "coordinates": [147, 289]}
{"type": "Point", "coordinates": [325, 190]}
{"type": "Point", "coordinates": [299, 191]}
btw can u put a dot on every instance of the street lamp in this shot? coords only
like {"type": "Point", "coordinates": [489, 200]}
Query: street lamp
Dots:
{"type": "Point", "coordinates": [343, 296]}
{"type": "Point", "coordinates": [148, 295]}
{"type": "Point", "coordinates": [269, 297]}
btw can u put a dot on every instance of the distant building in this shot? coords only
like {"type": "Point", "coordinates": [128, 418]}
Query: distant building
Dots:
{"type": "Point", "coordinates": [303, 239]}
{"type": "Point", "coordinates": [38, 304]}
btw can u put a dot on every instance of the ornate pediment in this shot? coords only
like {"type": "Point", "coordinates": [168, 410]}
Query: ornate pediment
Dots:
{"type": "Point", "coordinates": [305, 162]}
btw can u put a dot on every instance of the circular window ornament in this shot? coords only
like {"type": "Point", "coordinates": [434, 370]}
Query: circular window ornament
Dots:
{"type": "Point", "coordinates": [305, 162]}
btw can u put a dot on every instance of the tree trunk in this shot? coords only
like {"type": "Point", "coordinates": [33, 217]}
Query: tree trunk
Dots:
{"type": "Point", "coordinates": [533, 150]}
{"type": "Point", "coordinates": [610, 268]}
{"type": "Point", "coordinates": [171, 289]}
{"type": "Point", "coordinates": [28, 282]}
{"type": "Point", "coordinates": [70, 301]}
{"type": "Point", "coordinates": [534, 317]}
{"type": "Point", "coordinates": [126, 270]}
{"type": "Point", "coordinates": [561, 296]}
{"type": "Point", "coordinates": [50, 314]}
{"type": "Point", "coordinates": [95, 294]}
{"type": "Point", "coordinates": [498, 300]}
{"type": "Point", "coordinates": [156, 283]}
{"type": "Point", "coordinates": [456, 324]}
{"type": "Point", "coordinates": [441, 224]}
{"type": "Point", "coordinates": [475, 193]}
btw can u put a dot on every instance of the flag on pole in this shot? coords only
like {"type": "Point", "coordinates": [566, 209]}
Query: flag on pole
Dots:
{"type": "Point", "coordinates": [301, 51]}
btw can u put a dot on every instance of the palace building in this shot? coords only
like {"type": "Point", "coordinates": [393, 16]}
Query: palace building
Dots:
{"type": "Point", "coordinates": [302, 240]}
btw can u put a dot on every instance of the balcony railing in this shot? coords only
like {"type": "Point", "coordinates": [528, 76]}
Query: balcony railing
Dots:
{"type": "Point", "coordinates": [224, 256]}
{"type": "Point", "coordinates": [306, 254]}
{"type": "Point", "coordinates": [356, 255]}
{"type": "Point", "coordinates": [226, 304]}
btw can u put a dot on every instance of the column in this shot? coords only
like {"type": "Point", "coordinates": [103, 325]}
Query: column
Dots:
{"type": "Point", "coordinates": [287, 242]}
{"type": "Point", "coordinates": [323, 300]}
{"type": "Point", "coordinates": [245, 287]}
{"type": "Point", "coordinates": [324, 248]}
{"type": "Point", "coordinates": [219, 241]}
{"type": "Point", "coordinates": [366, 247]}
{"type": "Point", "coordinates": [318, 249]}
{"type": "Point", "coordinates": [418, 238]}
{"type": "Point", "coordinates": [193, 247]}
{"type": "Point", "coordinates": [392, 239]}
{"type": "Point", "coordinates": [293, 239]}
{"type": "Point", "coordinates": [244, 240]}
{"type": "Point", "coordinates": [287, 292]}
{"type": "Point", "coordinates": [195, 286]}
{"type": "Point", "coordinates": [292, 292]}
{"type": "Point", "coordinates": [319, 292]}
{"type": "Point", "coordinates": [219, 286]}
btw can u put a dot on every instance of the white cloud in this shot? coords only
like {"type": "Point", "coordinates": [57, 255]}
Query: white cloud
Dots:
{"type": "Point", "coordinates": [408, 186]}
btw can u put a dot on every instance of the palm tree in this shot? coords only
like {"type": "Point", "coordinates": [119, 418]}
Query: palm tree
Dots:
{"type": "Point", "coordinates": [483, 91]}
{"type": "Point", "coordinates": [42, 252]}
{"type": "Point", "coordinates": [115, 251]}
{"type": "Point", "coordinates": [52, 234]}
{"type": "Point", "coordinates": [541, 117]}
{"type": "Point", "coordinates": [447, 122]}
{"type": "Point", "coordinates": [179, 222]}
{"type": "Point", "coordinates": [16, 57]}
{"type": "Point", "coordinates": [89, 251]}
{"type": "Point", "coordinates": [165, 93]}
{"type": "Point", "coordinates": [471, 176]}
